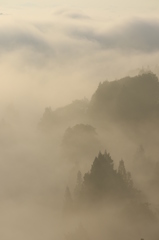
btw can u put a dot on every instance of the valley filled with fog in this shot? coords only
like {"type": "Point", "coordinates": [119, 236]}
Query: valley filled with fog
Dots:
{"type": "Point", "coordinates": [79, 122]}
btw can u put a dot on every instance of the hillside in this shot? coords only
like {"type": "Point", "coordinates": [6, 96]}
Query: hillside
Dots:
{"type": "Point", "coordinates": [130, 99]}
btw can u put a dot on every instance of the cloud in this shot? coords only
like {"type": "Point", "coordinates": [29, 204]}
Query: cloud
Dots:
{"type": "Point", "coordinates": [137, 35]}
{"type": "Point", "coordinates": [78, 16]}
{"type": "Point", "coordinates": [60, 40]}
{"type": "Point", "coordinates": [50, 53]}
{"type": "Point", "coordinates": [72, 14]}
{"type": "Point", "coordinates": [13, 39]}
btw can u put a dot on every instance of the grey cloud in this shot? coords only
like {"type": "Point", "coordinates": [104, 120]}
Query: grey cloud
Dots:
{"type": "Point", "coordinates": [60, 11]}
{"type": "Point", "coordinates": [79, 16]}
{"type": "Point", "coordinates": [138, 35]}
{"type": "Point", "coordinates": [13, 39]}
{"type": "Point", "coordinates": [67, 40]}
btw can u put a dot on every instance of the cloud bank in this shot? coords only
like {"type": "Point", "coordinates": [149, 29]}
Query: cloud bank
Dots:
{"type": "Point", "coordinates": [42, 56]}
{"type": "Point", "coordinates": [137, 35]}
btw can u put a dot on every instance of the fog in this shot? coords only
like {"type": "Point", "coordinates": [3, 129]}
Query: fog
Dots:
{"type": "Point", "coordinates": [79, 118]}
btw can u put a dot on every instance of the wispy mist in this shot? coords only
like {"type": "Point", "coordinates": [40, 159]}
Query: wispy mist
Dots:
{"type": "Point", "coordinates": [79, 120]}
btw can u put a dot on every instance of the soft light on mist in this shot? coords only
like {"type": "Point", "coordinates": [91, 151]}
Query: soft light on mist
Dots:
{"type": "Point", "coordinates": [67, 127]}
{"type": "Point", "coordinates": [41, 56]}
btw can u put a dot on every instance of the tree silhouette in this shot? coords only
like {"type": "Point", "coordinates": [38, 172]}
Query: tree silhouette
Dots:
{"type": "Point", "coordinates": [126, 176]}
{"type": "Point", "coordinates": [129, 99]}
{"type": "Point", "coordinates": [103, 184]}
{"type": "Point", "coordinates": [80, 144]}
{"type": "Point", "coordinates": [122, 170]}
{"type": "Point", "coordinates": [102, 179]}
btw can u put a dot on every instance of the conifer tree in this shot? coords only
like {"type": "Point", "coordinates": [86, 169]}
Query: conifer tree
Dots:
{"type": "Point", "coordinates": [126, 176]}
{"type": "Point", "coordinates": [122, 170]}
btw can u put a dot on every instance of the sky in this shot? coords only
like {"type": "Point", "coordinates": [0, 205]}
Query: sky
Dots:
{"type": "Point", "coordinates": [118, 6]}
{"type": "Point", "coordinates": [52, 52]}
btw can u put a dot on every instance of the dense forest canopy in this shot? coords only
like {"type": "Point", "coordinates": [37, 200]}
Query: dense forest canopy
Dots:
{"type": "Point", "coordinates": [131, 100]}
{"type": "Point", "coordinates": [128, 99]}
{"type": "Point", "coordinates": [80, 143]}
{"type": "Point", "coordinates": [104, 188]}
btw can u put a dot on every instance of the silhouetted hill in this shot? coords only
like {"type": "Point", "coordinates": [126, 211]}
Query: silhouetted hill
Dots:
{"type": "Point", "coordinates": [80, 143]}
{"type": "Point", "coordinates": [65, 116]}
{"type": "Point", "coordinates": [128, 99]}
{"type": "Point", "coordinates": [103, 185]}
{"type": "Point", "coordinates": [130, 105]}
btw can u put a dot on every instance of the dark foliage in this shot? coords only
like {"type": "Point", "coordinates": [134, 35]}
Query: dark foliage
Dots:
{"type": "Point", "coordinates": [128, 99]}
{"type": "Point", "coordinates": [104, 182]}
{"type": "Point", "coordinates": [80, 142]}
{"type": "Point", "coordinates": [64, 116]}
{"type": "Point", "coordinates": [105, 185]}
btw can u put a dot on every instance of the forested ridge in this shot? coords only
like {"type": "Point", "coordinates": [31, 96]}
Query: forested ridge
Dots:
{"type": "Point", "coordinates": [121, 117]}
{"type": "Point", "coordinates": [128, 99]}
{"type": "Point", "coordinates": [133, 102]}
